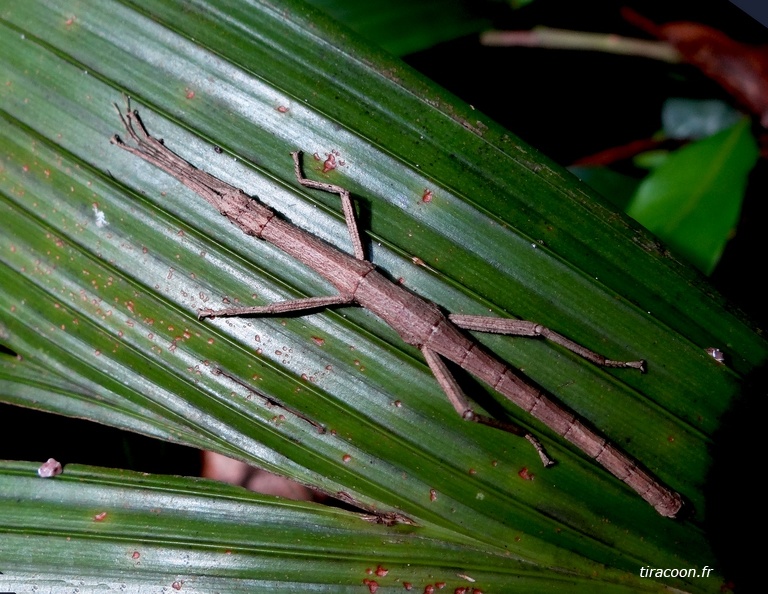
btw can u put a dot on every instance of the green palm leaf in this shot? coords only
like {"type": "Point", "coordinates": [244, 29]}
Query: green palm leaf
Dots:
{"type": "Point", "coordinates": [105, 261]}
{"type": "Point", "coordinates": [141, 533]}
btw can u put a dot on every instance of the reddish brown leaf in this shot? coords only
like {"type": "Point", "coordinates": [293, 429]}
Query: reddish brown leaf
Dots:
{"type": "Point", "coordinates": [741, 69]}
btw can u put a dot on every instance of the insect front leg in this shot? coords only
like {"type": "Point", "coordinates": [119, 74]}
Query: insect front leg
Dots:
{"type": "Point", "coordinates": [346, 203]}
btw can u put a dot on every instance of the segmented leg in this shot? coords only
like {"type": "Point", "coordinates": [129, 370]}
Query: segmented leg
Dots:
{"type": "Point", "coordinates": [277, 308]}
{"type": "Point", "coordinates": [346, 203]}
{"type": "Point", "coordinates": [525, 328]}
{"type": "Point", "coordinates": [461, 404]}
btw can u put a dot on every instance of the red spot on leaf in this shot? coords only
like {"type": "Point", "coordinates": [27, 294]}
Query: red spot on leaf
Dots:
{"type": "Point", "coordinates": [318, 341]}
{"type": "Point", "coordinates": [346, 458]}
{"type": "Point", "coordinates": [189, 94]}
{"type": "Point", "coordinates": [429, 589]}
{"type": "Point", "coordinates": [177, 585]}
{"type": "Point", "coordinates": [381, 572]}
{"type": "Point", "coordinates": [99, 517]}
{"type": "Point", "coordinates": [282, 109]}
{"type": "Point", "coordinates": [373, 585]}
{"type": "Point", "coordinates": [426, 196]}
{"type": "Point", "coordinates": [408, 585]}
{"type": "Point", "coordinates": [526, 474]}
{"type": "Point", "coordinates": [432, 495]}
{"type": "Point", "coordinates": [135, 555]}
{"type": "Point", "coordinates": [330, 163]}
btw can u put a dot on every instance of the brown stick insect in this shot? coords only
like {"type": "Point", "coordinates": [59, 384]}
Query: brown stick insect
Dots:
{"type": "Point", "coordinates": [419, 322]}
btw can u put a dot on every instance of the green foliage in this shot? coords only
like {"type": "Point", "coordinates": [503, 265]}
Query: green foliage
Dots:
{"type": "Point", "coordinates": [140, 533]}
{"type": "Point", "coordinates": [692, 200]}
{"type": "Point", "coordinates": [104, 261]}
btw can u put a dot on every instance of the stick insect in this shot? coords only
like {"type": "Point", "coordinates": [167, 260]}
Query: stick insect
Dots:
{"type": "Point", "coordinates": [419, 322]}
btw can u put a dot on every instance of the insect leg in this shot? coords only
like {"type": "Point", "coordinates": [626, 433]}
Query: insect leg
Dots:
{"type": "Point", "coordinates": [532, 329]}
{"type": "Point", "coordinates": [278, 307]}
{"type": "Point", "coordinates": [346, 203]}
{"type": "Point", "coordinates": [461, 404]}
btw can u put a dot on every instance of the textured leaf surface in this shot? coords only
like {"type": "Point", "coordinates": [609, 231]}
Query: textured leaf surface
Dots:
{"type": "Point", "coordinates": [105, 260]}
{"type": "Point", "coordinates": [138, 533]}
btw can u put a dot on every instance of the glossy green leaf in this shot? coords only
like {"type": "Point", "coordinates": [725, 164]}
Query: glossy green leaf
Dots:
{"type": "Point", "coordinates": [104, 261]}
{"type": "Point", "coordinates": [94, 530]}
{"type": "Point", "coordinates": [693, 199]}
